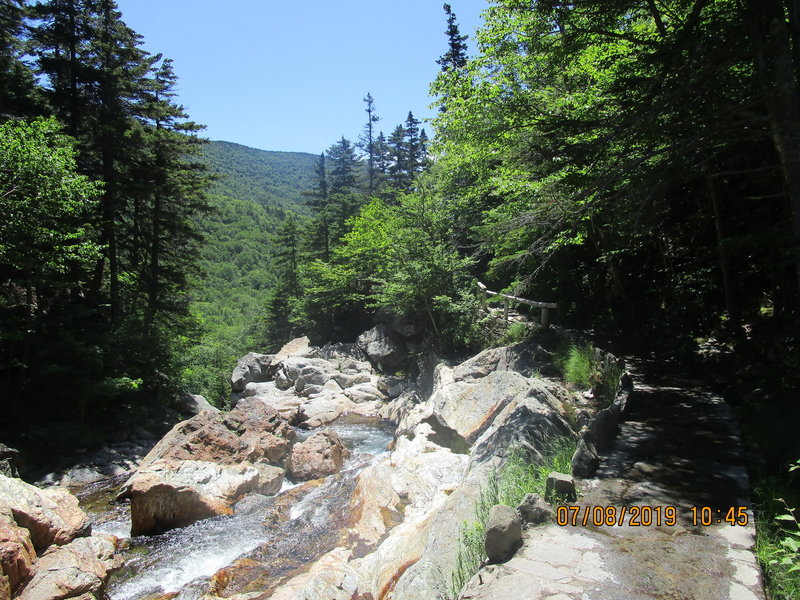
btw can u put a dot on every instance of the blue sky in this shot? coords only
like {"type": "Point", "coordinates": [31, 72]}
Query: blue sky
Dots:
{"type": "Point", "coordinates": [291, 75]}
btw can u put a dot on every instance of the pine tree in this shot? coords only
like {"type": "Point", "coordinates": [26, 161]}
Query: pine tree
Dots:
{"type": "Point", "coordinates": [397, 170]}
{"type": "Point", "coordinates": [343, 162]}
{"type": "Point", "coordinates": [174, 190]}
{"type": "Point", "coordinates": [414, 146]}
{"type": "Point", "coordinates": [318, 239]}
{"type": "Point", "coordinates": [381, 156]}
{"type": "Point", "coordinates": [18, 91]}
{"type": "Point", "coordinates": [287, 254]}
{"type": "Point", "coordinates": [456, 55]}
{"type": "Point", "coordinates": [367, 143]}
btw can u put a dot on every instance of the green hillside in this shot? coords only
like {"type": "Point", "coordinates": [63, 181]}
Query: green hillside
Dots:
{"type": "Point", "coordinates": [275, 179]}
{"type": "Point", "coordinates": [255, 191]}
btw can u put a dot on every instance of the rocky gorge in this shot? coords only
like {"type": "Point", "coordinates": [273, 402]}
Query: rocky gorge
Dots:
{"type": "Point", "coordinates": [334, 475]}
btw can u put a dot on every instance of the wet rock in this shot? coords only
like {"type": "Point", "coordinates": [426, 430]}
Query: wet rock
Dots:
{"type": "Point", "coordinates": [206, 463]}
{"type": "Point", "coordinates": [320, 455]}
{"type": "Point", "coordinates": [382, 345]}
{"type": "Point", "coordinates": [52, 516]}
{"type": "Point", "coordinates": [534, 510]}
{"type": "Point", "coordinates": [174, 493]}
{"type": "Point", "coordinates": [559, 485]}
{"type": "Point", "coordinates": [79, 569]}
{"type": "Point", "coordinates": [16, 552]}
{"type": "Point", "coordinates": [251, 367]}
{"type": "Point", "coordinates": [81, 475]}
{"type": "Point", "coordinates": [503, 533]}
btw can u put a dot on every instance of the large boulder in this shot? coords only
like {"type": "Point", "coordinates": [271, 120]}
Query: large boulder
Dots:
{"type": "Point", "coordinates": [297, 347]}
{"type": "Point", "coordinates": [469, 407]}
{"type": "Point", "coordinates": [77, 570]}
{"type": "Point", "coordinates": [192, 404]}
{"type": "Point", "coordinates": [382, 345]}
{"type": "Point", "coordinates": [251, 367]}
{"type": "Point", "coordinates": [364, 392]}
{"type": "Point", "coordinates": [169, 493]}
{"type": "Point", "coordinates": [203, 465]}
{"type": "Point", "coordinates": [320, 455]}
{"type": "Point", "coordinates": [52, 516]}
{"type": "Point", "coordinates": [249, 432]}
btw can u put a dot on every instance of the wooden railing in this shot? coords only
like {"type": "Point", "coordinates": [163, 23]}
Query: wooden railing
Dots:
{"type": "Point", "coordinates": [546, 307]}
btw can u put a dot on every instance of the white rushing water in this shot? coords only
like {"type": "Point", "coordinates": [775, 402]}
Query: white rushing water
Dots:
{"type": "Point", "coordinates": [167, 563]}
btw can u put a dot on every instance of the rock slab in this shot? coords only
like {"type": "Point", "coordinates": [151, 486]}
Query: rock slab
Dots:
{"type": "Point", "coordinates": [205, 464]}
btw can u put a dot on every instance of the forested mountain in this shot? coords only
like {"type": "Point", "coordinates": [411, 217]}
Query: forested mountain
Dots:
{"type": "Point", "coordinates": [275, 179]}
{"type": "Point", "coordinates": [255, 192]}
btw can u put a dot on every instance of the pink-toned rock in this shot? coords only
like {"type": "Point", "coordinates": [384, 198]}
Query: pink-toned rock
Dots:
{"type": "Point", "coordinates": [76, 570]}
{"type": "Point", "coordinates": [320, 455]}
{"type": "Point", "coordinates": [250, 431]}
{"type": "Point", "coordinates": [167, 493]}
{"type": "Point", "coordinates": [204, 465]}
{"type": "Point", "coordinates": [16, 552]}
{"type": "Point", "coordinates": [52, 516]}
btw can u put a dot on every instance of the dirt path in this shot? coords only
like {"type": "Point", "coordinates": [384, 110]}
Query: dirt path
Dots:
{"type": "Point", "coordinates": [678, 449]}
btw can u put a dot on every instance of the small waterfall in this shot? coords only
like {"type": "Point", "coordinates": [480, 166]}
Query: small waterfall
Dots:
{"type": "Point", "coordinates": [281, 532]}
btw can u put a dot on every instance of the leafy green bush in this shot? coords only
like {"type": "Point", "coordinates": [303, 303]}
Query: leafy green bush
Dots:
{"type": "Point", "coordinates": [778, 538]}
{"type": "Point", "coordinates": [514, 333]}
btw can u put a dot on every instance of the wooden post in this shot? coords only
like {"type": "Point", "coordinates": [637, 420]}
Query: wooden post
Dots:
{"type": "Point", "coordinates": [545, 318]}
{"type": "Point", "coordinates": [482, 296]}
{"type": "Point", "coordinates": [505, 309]}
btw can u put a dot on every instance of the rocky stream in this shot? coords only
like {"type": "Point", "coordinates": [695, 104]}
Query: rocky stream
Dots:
{"type": "Point", "coordinates": [327, 480]}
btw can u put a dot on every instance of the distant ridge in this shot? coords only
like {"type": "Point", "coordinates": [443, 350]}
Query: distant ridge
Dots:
{"type": "Point", "coordinates": [272, 178]}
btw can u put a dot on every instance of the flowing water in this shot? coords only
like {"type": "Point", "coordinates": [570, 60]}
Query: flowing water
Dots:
{"type": "Point", "coordinates": [270, 535]}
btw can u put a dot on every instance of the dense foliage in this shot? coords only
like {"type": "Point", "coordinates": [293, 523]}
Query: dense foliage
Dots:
{"type": "Point", "coordinates": [100, 237]}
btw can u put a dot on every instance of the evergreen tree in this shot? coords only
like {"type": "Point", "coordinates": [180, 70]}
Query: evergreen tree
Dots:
{"type": "Point", "coordinates": [398, 159]}
{"type": "Point", "coordinates": [415, 148]}
{"type": "Point", "coordinates": [456, 55]}
{"type": "Point", "coordinates": [287, 254]}
{"type": "Point", "coordinates": [343, 167]}
{"type": "Point", "coordinates": [367, 143]}
{"type": "Point", "coordinates": [319, 238]}
{"type": "Point", "coordinates": [381, 156]}
{"type": "Point", "coordinates": [174, 195]}
{"type": "Point", "coordinates": [18, 91]}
